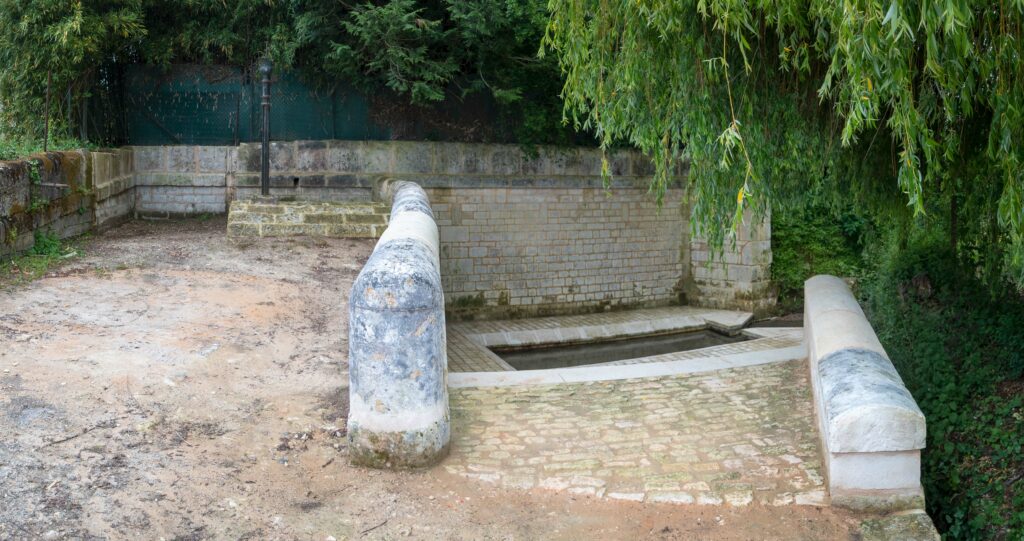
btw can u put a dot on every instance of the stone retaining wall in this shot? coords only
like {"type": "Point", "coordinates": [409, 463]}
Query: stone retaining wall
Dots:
{"type": "Point", "coordinates": [183, 180]}
{"type": "Point", "coordinates": [872, 430]}
{"type": "Point", "coordinates": [522, 233]}
{"type": "Point", "coordinates": [568, 246]}
{"type": "Point", "coordinates": [527, 234]}
{"type": "Point", "coordinates": [63, 194]}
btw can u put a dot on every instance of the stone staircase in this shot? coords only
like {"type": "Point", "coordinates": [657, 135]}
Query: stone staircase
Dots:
{"type": "Point", "coordinates": [273, 218]}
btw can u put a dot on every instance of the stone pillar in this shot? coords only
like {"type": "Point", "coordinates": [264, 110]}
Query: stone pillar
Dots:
{"type": "Point", "coordinates": [741, 278]}
{"type": "Point", "coordinates": [398, 366]}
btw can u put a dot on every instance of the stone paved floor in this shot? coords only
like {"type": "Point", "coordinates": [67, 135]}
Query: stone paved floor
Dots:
{"type": "Point", "coordinates": [465, 355]}
{"type": "Point", "coordinates": [725, 437]}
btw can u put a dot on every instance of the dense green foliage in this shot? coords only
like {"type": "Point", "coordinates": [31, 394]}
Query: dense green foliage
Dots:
{"type": "Point", "coordinates": [56, 44]}
{"type": "Point", "coordinates": [956, 340]}
{"type": "Point", "coordinates": [882, 104]}
{"type": "Point", "coordinates": [19, 147]}
{"type": "Point", "coordinates": [960, 352]}
{"type": "Point", "coordinates": [810, 241]}
{"type": "Point", "coordinates": [423, 51]}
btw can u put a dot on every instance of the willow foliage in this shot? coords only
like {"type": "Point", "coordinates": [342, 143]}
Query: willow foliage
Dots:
{"type": "Point", "coordinates": [889, 103]}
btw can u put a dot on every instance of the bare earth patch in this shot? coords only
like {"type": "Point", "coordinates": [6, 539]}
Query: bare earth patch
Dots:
{"type": "Point", "coordinates": [171, 385]}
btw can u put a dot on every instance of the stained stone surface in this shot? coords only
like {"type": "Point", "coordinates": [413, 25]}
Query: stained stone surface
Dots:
{"type": "Point", "coordinates": [306, 218]}
{"type": "Point", "coordinates": [869, 409]}
{"type": "Point", "coordinates": [728, 437]}
{"type": "Point", "coordinates": [872, 429]}
{"type": "Point", "coordinates": [398, 395]}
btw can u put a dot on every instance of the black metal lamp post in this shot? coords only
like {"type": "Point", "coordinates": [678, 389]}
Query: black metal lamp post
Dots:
{"type": "Point", "coordinates": [265, 68]}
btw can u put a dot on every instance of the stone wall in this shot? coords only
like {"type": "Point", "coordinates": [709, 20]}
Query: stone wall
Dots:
{"type": "Point", "coordinates": [398, 367]}
{"type": "Point", "coordinates": [872, 430]}
{"type": "Point", "coordinates": [183, 180]}
{"type": "Point", "coordinates": [522, 233]}
{"type": "Point", "coordinates": [568, 246]}
{"type": "Point", "coordinates": [740, 278]}
{"type": "Point", "coordinates": [113, 183]}
{"type": "Point", "coordinates": [61, 193]}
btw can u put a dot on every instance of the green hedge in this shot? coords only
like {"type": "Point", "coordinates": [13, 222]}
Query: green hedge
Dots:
{"type": "Point", "coordinates": [959, 346]}
{"type": "Point", "coordinates": [957, 342]}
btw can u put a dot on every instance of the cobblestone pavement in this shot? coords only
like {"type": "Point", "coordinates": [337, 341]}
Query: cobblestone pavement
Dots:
{"type": "Point", "coordinates": [728, 437]}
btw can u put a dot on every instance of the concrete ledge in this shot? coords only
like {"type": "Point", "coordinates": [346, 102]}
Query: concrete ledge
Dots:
{"type": "Point", "coordinates": [398, 394]}
{"type": "Point", "coordinates": [871, 428]}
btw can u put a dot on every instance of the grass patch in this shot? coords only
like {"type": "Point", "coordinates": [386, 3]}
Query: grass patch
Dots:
{"type": "Point", "coordinates": [47, 252]}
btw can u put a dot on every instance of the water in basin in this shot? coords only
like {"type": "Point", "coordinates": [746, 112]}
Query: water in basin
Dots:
{"type": "Point", "coordinates": [563, 356]}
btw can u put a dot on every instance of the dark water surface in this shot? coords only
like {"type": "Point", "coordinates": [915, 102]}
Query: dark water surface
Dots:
{"type": "Point", "coordinates": [608, 351]}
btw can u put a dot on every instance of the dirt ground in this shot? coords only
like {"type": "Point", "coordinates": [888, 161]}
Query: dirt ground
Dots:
{"type": "Point", "coordinates": [169, 385]}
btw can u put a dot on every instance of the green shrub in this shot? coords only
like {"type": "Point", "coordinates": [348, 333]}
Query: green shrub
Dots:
{"type": "Point", "coordinates": [14, 148]}
{"type": "Point", "coordinates": [959, 346]}
{"type": "Point", "coordinates": [811, 241]}
{"type": "Point", "coordinates": [47, 244]}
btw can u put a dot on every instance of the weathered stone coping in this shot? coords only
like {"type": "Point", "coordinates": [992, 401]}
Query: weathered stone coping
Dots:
{"type": "Point", "coordinates": [651, 369]}
{"type": "Point", "coordinates": [565, 330]}
{"type": "Point", "coordinates": [398, 394]}
{"type": "Point", "coordinates": [469, 341]}
{"type": "Point", "coordinates": [871, 428]}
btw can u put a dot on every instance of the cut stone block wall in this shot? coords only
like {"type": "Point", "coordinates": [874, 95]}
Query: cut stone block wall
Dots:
{"type": "Point", "coordinates": [257, 218]}
{"type": "Point", "coordinates": [183, 180]}
{"type": "Point", "coordinates": [71, 193]}
{"type": "Point", "coordinates": [567, 247]}
{"type": "Point", "coordinates": [872, 430]}
{"type": "Point", "coordinates": [522, 234]}
{"type": "Point", "coordinates": [113, 183]}
{"type": "Point", "coordinates": [741, 277]}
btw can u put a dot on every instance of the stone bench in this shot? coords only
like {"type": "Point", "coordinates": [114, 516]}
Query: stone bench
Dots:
{"type": "Point", "coordinates": [398, 394]}
{"type": "Point", "coordinates": [872, 430]}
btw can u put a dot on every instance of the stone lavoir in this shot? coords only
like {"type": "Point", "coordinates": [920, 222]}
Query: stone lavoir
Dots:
{"type": "Point", "coordinates": [487, 246]}
{"type": "Point", "coordinates": [869, 427]}
{"type": "Point", "coordinates": [521, 234]}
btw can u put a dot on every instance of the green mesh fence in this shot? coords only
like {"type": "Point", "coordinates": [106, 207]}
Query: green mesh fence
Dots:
{"type": "Point", "coordinates": [220, 105]}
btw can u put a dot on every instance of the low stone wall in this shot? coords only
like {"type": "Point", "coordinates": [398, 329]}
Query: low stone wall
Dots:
{"type": "Point", "coordinates": [61, 193]}
{"type": "Point", "coordinates": [872, 430]}
{"type": "Point", "coordinates": [271, 218]}
{"type": "Point", "coordinates": [398, 367]}
{"type": "Point", "coordinates": [522, 233]}
{"type": "Point", "coordinates": [183, 180]}
{"type": "Point", "coordinates": [113, 184]}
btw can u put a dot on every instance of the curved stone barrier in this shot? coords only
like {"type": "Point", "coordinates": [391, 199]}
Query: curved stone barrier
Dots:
{"type": "Point", "coordinates": [872, 431]}
{"type": "Point", "coordinates": [398, 393]}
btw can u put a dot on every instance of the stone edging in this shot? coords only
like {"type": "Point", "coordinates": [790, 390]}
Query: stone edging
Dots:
{"type": "Point", "coordinates": [872, 431]}
{"type": "Point", "coordinates": [398, 397]}
{"type": "Point", "coordinates": [651, 369]}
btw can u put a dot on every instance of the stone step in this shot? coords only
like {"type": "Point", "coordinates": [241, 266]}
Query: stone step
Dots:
{"type": "Point", "coordinates": [307, 218]}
